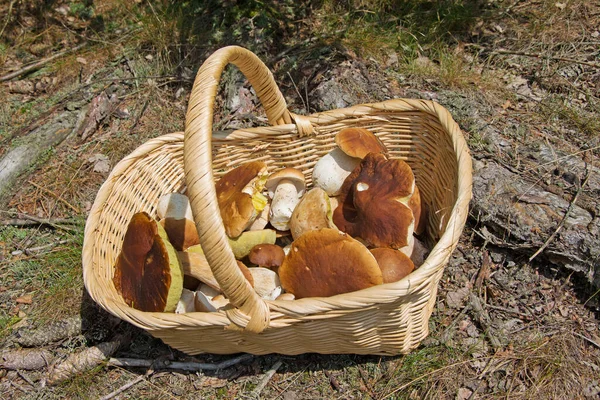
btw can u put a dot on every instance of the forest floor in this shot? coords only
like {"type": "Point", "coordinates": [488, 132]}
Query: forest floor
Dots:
{"type": "Point", "coordinates": [515, 74]}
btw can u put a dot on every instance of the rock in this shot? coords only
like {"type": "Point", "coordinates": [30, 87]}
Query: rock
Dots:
{"type": "Point", "coordinates": [521, 215]}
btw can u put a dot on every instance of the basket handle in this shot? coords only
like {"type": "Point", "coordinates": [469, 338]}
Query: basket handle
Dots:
{"type": "Point", "coordinates": [252, 313]}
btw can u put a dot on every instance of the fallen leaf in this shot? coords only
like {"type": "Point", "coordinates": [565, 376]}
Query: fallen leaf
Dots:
{"type": "Point", "coordinates": [464, 394]}
{"type": "Point", "coordinates": [560, 5]}
{"type": "Point", "coordinates": [25, 299]}
{"type": "Point", "coordinates": [455, 299]}
{"type": "Point", "coordinates": [81, 60]}
{"type": "Point", "coordinates": [506, 104]}
{"type": "Point", "coordinates": [101, 163]}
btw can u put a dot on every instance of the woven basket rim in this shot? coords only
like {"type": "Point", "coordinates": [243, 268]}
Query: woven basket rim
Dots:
{"type": "Point", "coordinates": [317, 307]}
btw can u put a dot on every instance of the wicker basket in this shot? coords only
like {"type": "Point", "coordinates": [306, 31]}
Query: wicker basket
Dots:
{"type": "Point", "coordinates": [386, 319]}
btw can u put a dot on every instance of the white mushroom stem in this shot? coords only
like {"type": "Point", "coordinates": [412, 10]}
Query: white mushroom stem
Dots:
{"type": "Point", "coordinates": [332, 169]}
{"type": "Point", "coordinates": [174, 205]}
{"type": "Point", "coordinates": [285, 198]}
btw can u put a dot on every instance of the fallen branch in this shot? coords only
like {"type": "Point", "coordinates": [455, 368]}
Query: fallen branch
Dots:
{"type": "Point", "coordinates": [265, 380]}
{"type": "Point", "coordinates": [32, 67]}
{"type": "Point", "coordinates": [184, 366]}
{"type": "Point", "coordinates": [52, 222]}
{"type": "Point", "coordinates": [564, 218]}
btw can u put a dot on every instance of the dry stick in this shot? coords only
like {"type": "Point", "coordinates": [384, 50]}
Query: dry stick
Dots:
{"type": "Point", "coordinates": [8, 15]}
{"type": "Point", "coordinates": [588, 339]}
{"type": "Point", "coordinates": [533, 55]}
{"type": "Point", "coordinates": [40, 221]}
{"type": "Point", "coordinates": [562, 221]}
{"type": "Point", "coordinates": [25, 222]}
{"type": "Point", "coordinates": [36, 65]}
{"type": "Point", "coordinates": [256, 392]}
{"type": "Point", "coordinates": [185, 366]}
{"type": "Point", "coordinates": [58, 197]}
{"type": "Point", "coordinates": [128, 385]}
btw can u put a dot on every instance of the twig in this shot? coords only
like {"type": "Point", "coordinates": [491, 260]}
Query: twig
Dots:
{"type": "Point", "coordinates": [562, 221]}
{"type": "Point", "coordinates": [31, 250]}
{"type": "Point", "coordinates": [588, 339]}
{"type": "Point", "coordinates": [25, 222]}
{"type": "Point", "coordinates": [58, 197]}
{"type": "Point", "coordinates": [508, 310]}
{"type": "Point", "coordinates": [36, 65]}
{"type": "Point", "coordinates": [20, 221]}
{"type": "Point", "coordinates": [484, 319]}
{"type": "Point", "coordinates": [139, 116]}
{"type": "Point", "coordinates": [8, 15]}
{"type": "Point", "coordinates": [185, 366]}
{"type": "Point", "coordinates": [333, 381]}
{"type": "Point", "coordinates": [25, 378]}
{"type": "Point", "coordinates": [256, 392]}
{"type": "Point", "coordinates": [128, 385]}
{"type": "Point", "coordinates": [298, 92]}
{"type": "Point", "coordinates": [533, 55]}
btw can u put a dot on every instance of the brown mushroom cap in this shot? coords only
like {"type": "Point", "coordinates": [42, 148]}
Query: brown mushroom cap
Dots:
{"type": "Point", "coordinates": [327, 262]}
{"type": "Point", "coordinates": [415, 205]}
{"type": "Point", "coordinates": [358, 142]}
{"type": "Point", "coordinates": [237, 207]}
{"type": "Point", "coordinates": [147, 272]}
{"type": "Point", "coordinates": [394, 264]}
{"type": "Point", "coordinates": [373, 202]}
{"type": "Point", "coordinates": [266, 255]}
{"type": "Point", "coordinates": [182, 232]}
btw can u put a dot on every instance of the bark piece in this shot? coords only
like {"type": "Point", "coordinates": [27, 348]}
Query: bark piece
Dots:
{"type": "Point", "coordinates": [521, 215]}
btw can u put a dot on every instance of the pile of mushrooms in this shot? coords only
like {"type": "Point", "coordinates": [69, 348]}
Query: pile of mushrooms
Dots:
{"type": "Point", "coordinates": [355, 228]}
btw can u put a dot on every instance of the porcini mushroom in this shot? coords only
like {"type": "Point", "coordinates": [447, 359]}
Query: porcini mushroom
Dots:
{"type": "Point", "coordinates": [285, 188]}
{"type": "Point", "coordinates": [241, 245]}
{"type": "Point", "coordinates": [147, 271]}
{"type": "Point", "coordinates": [266, 283]}
{"type": "Point", "coordinates": [327, 262]}
{"type": "Point", "coordinates": [174, 205]}
{"type": "Point", "coordinates": [332, 169]}
{"type": "Point", "coordinates": [239, 196]}
{"type": "Point", "coordinates": [313, 212]}
{"type": "Point", "coordinates": [182, 232]}
{"type": "Point", "coordinates": [194, 264]}
{"type": "Point", "coordinates": [394, 264]}
{"type": "Point", "coordinates": [266, 255]}
{"type": "Point", "coordinates": [374, 202]}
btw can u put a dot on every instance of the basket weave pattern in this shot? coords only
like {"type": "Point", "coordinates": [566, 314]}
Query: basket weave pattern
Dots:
{"type": "Point", "coordinates": [385, 319]}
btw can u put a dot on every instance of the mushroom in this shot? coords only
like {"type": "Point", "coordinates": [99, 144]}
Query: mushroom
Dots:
{"type": "Point", "coordinates": [261, 220]}
{"type": "Point", "coordinates": [204, 299]}
{"type": "Point", "coordinates": [419, 253]}
{"type": "Point", "coordinates": [147, 271]}
{"type": "Point", "coordinates": [266, 283]}
{"type": "Point", "coordinates": [285, 188]}
{"type": "Point", "coordinates": [312, 213]}
{"type": "Point", "coordinates": [182, 232]}
{"type": "Point", "coordinates": [194, 264]}
{"type": "Point", "coordinates": [266, 255]}
{"type": "Point", "coordinates": [239, 196]}
{"type": "Point", "coordinates": [242, 244]}
{"type": "Point", "coordinates": [374, 202]}
{"type": "Point", "coordinates": [174, 205]}
{"type": "Point", "coordinates": [415, 205]}
{"type": "Point", "coordinates": [394, 264]}
{"type": "Point", "coordinates": [286, 297]}
{"type": "Point", "coordinates": [332, 169]}
{"type": "Point", "coordinates": [327, 262]}
{"type": "Point", "coordinates": [187, 302]}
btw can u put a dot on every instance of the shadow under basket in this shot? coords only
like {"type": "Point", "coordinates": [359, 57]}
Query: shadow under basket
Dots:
{"type": "Point", "coordinates": [387, 319]}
